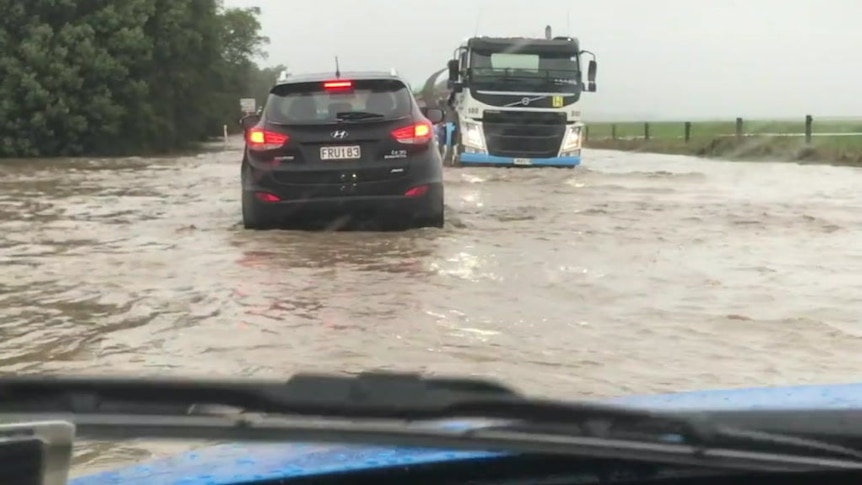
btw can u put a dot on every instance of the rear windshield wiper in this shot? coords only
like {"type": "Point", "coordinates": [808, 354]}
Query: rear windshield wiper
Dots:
{"type": "Point", "coordinates": [357, 115]}
{"type": "Point", "coordinates": [315, 407]}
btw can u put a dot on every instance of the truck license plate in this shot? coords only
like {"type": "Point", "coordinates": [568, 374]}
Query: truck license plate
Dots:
{"type": "Point", "coordinates": [522, 161]}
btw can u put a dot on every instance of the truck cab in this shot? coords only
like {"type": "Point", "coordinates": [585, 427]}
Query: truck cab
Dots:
{"type": "Point", "coordinates": [513, 101]}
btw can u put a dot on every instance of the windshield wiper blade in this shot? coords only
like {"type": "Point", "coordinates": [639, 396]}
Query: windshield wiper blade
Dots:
{"type": "Point", "coordinates": [365, 395]}
{"type": "Point", "coordinates": [369, 395]}
{"type": "Point", "coordinates": [357, 115]}
{"type": "Point", "coordinates": [488, 442]}
{"type": "Point", "coordinates": [503, 79]}
{"type": "Point", "coordinates": [113, 405]}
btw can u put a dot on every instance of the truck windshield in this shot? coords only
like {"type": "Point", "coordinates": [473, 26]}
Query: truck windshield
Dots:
{"type": "Point", "coordinates": [525, 71]}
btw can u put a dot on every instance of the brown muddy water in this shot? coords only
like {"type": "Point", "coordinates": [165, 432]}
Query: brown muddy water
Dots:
{"type": "Point", "coordinates": [634, 274]}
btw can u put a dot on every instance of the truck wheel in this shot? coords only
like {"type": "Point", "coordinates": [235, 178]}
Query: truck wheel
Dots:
{"type": "Point", "coordinates": [452, 157]}
{"type": "Point", "coordinates": [457, 150]}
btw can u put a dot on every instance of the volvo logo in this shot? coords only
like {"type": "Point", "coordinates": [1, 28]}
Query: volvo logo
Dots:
{"type": "Point", "coordinates": [339, 134]}
{"type": "Point", "coordinates": [525, 101]}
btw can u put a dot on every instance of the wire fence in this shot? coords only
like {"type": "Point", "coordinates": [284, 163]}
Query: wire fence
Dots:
{"type": "Point", "coordinates": [686, 131]}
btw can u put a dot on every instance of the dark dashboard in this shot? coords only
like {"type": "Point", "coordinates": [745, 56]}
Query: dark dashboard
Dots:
{"type": "Point", "coordinates": [544, 470]}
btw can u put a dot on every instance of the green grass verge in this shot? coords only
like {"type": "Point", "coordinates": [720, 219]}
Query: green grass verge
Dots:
{"type": "Point", "coordinates": [715, 139]}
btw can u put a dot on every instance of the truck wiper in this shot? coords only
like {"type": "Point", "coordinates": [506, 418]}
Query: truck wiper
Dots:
{"type": "Point", "coordinates": [314, 407]}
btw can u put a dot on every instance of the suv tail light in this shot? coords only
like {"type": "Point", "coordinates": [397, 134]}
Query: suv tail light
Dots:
{"type": "Point", "coordinates": [337, 85]}
{"type": "Point", "coordinates": [415, 134]}
{"type": "Point", "coordinates": [259, 139]}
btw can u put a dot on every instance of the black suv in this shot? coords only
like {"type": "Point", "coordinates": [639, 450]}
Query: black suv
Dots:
{"type": "Point", "coordinates": [354, 144]}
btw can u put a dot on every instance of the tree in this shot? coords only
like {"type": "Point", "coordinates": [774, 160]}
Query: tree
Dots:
{"type": "Point", "coordinates": [110, 78]}
{"type": "Point", "coordinates": [239, 74]}
{"type": "Point", "coordinates": [262, 80]}
{"type": "Point", "coordinates": [241, 33]}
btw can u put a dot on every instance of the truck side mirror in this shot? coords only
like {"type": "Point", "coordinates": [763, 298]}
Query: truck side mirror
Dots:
{"type": "Point", "coordinates": [591, 76]}
{"type": "Point", "coordinates": [453, 69]}
{"type": "Point", "coordinates": [434, 115]}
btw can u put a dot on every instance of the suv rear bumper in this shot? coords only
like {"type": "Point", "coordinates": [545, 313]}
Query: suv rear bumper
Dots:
{"type": "Point", "coordinates": [427, 205]}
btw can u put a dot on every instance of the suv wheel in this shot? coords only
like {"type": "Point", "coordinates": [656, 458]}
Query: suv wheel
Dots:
{"type": "Point", "coordinates": [252, 215]}
{"type": "Point", "coordinates": [435, 218]}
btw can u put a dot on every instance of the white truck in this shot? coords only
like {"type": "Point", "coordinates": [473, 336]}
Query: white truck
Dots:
{"type": "Point", "coordinates": [513, 101]}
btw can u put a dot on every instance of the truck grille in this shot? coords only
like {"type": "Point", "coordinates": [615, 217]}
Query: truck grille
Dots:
{"type": "Point", "coordinates": [524, 134]}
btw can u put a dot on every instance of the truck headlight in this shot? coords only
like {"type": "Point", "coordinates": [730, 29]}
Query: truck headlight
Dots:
{"type": "Point", "coordinates": [572, 140]}
{"type": "Point", "coordinates": [471, 135]}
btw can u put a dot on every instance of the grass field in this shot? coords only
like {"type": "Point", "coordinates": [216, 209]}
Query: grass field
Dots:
{"type": "Point", "coordinates": [835, 141]}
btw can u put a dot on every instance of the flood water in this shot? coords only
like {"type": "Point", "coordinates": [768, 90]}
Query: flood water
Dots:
{"type": "Point", "coordinates": [634, 274]}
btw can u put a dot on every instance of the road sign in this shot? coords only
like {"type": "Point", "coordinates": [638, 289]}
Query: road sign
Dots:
{"type": "Point", "coordinates": [248, 105]}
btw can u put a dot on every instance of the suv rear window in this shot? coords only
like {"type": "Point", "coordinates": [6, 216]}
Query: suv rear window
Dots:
{"type": "Point", "coordinates": [323, 101]}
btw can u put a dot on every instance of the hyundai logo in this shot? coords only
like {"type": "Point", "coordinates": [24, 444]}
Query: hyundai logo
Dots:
{"type": "Point", "coordinates": [525, 101]}
{"type": "Point", "coordinates": [339, 135]}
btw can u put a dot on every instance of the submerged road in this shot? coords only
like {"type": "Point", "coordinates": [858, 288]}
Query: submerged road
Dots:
{"type": "Point", "coordinates": [635, 274]}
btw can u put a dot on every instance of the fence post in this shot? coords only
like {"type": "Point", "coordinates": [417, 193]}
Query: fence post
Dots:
{"type": "Point", "coordinates": [739, 128]}
{"type": "Point", "coordinates": [646, 131]}
{"type": "Point", "coordinates": [809, 121]}
{"type": "Point", "coordinates": [687, 135]}
{"type": "Point", "coordinates": [614, 131]}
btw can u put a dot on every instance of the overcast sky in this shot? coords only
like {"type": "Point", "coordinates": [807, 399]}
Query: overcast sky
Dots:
{"type": "Point", "coordinates": [657, 59]}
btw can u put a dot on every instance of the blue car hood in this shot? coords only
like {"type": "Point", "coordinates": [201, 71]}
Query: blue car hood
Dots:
{"type": "Point", "coordinates": [228, 464]}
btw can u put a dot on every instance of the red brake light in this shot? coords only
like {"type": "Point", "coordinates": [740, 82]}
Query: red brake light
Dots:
{"type": "Point", "coordinates": [267, 197]}
{"type": "Point", "coordinates": [415, 134]}
{"type": "Point", "coordinates": [417, 191]}
{"type": "Point", "coordinates": [338, 85]}
{"type": "Point", "coordinates": [259, 139]}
